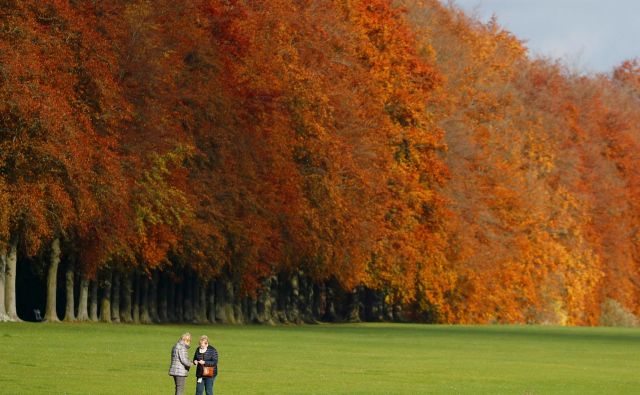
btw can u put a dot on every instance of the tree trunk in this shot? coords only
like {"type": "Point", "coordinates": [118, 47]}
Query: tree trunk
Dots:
{"type": "Point", "coordinates": [51, 315]}
{"type": "Point", "coordinates": [306, 300]}
{"type": "Point", "coordinates": [179, 306]}
{"type": "Point", "coordinates": [195, 298]}
{"type": "Point", "coordinates": [238, 313]}
{"type": "Point", "coordinates": [83, 299]}
{"type": "Point", "coordinates": [229, 302]}
{"type": "Point", "coordinates": [171, 299]}
{"type": "Point", "coordinates": [281, 294]}
{"type": "Point", "coordinates": [127, 289]}
{"type": "Point", "coordinates": [163, 309]}
{"type": "Point", "coordinates": [397, 313]}
{"type": "Point", "coordinates": [136, 300]}
{"type": "Point", "coordinates": [10, 282]}
{"type": "Point", "coordinates": [264, 303]}
{"type": "Point", "coordinates": [330, 310]}
{"type": "Point", "coordinates": [373, 305]}
{"type": "Point", "coordinates": [202, 301]}
{"type": "Point", "coordinates": [387, 311]}
{"type": "Point", "coordinates": [224, 311]}
{"type": "Point", "coordinates": [319, 301]}
{"type": "Point", "coordinates": [93, 306]}
{"type": "Point", "coordinates": [69, 312]}
{"type": "Point", "coordinates": [145, 317]}
{"type": "Point", "coordinates": [252, 310]}
{"type": "Point", "coordinates": [285, 297]}
{"type": "Point", "coordinates": [105, 305]}
{"type": "Point", "coordinates": [246, 310]}
{"type": "Point", "coordinates": [3, 267]}
{"type": "Point", "coordinates": [212, 302]}
{"type": "Point", "coordinates": [115, 298]}
{"type": "Point", "coordinates": [311, 299]}
{"type": "Point", "coordinates": [153, 297]}
{"type": "Point", "coordinates": [353, 306]}
{"type": "Point", "coordinates": [188, 298]}
{"type": "Point", "coordinates": [271, 303]}
{"type": "Point", "coordinates": [294, 300]}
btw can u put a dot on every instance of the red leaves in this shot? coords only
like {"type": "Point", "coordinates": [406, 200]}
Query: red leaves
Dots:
{"type": "Point", "coordinates": [61, 103]}
{"type": "Point", "coordinates": [408, 148]}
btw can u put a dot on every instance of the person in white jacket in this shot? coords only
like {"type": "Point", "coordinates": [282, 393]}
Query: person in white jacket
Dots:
{"type": "Point", "coordinates": [180, 362]}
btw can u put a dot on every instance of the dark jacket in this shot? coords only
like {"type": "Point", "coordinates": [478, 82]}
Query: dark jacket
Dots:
{"type": "Point", "coordinates": [210, 358]}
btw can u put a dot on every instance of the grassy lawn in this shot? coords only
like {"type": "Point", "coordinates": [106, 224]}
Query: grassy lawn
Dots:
{"type": "Point", "coordinates": [324, 359]}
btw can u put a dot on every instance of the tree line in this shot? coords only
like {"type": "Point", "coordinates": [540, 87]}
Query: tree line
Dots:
{"type": "Point", "coordinates": [295, 161]}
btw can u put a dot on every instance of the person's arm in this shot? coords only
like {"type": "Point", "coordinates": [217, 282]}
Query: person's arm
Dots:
{"type": "Point", "coordinates": [212, 358]}
{"type": "Point", "coordinates": [184, 357]}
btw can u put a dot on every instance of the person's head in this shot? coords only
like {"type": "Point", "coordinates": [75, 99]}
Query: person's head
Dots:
{"type": "Point", "coordinates": [204, 341]}
{"type": "Point", "coordinates": [186, 338]}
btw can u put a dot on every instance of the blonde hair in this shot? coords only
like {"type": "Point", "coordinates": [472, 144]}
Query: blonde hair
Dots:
{"type": "Point", "coordinates": [185, 336]}
{"type": "Point", "coordinates": [204, 337]}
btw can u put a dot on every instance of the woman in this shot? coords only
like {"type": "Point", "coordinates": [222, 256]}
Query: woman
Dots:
{"type": "Point", "coordinates": [180, 363]}
{"type": "Point", "coordinates": [206, 355]}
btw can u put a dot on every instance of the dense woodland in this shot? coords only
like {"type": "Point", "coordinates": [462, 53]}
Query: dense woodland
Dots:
{"type": "Point", "coordinates": [277, 161]}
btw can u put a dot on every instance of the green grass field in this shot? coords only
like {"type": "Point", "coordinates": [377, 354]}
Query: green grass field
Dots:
{"type": "Point", "coordinates": [324, 359]}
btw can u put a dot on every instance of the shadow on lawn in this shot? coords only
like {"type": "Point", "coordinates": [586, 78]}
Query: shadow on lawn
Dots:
{"type": "Point", "coordinates": [550, 333]}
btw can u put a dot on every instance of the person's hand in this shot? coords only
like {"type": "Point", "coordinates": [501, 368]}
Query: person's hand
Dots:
{"type": "Point", "coordinates": [201, 362]}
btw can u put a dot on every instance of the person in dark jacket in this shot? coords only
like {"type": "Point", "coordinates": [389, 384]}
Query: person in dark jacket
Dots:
{"type": "Point", "coordinates": [180, 363]}
{"type": "Point", "coordinates": [206, 355]}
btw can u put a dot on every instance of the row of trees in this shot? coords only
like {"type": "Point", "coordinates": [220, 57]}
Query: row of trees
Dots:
{"type": "Point", "coordinates": [279, 161]}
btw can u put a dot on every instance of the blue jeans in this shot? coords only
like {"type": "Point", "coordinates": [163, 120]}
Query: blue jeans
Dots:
{"type": "Point", "coordinates": [206, 384]}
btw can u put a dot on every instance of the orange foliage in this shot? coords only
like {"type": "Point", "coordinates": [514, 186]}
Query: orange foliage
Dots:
{"type": "Point", "coordinates": [399, 145]}
{"type": "Point", "coordinates": [60, 107]}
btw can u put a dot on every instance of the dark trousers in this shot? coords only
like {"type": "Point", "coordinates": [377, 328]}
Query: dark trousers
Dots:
{"type": "Point", "coordinates": [179, 380]}
{"type": "Point", "coordinates": [206, 384]}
